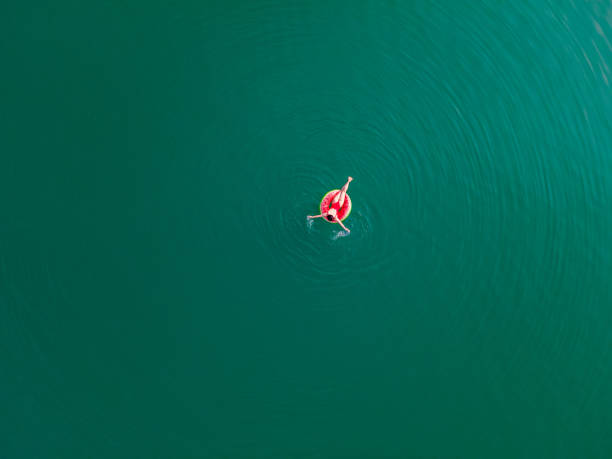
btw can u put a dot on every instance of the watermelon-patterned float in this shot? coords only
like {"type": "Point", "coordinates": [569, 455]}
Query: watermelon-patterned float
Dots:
{"type": "Point", "coordinates": [344, 211]}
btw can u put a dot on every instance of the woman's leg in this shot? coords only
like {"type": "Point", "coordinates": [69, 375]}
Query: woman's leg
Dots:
{"type": "Point", "coordinates": [342, 195]}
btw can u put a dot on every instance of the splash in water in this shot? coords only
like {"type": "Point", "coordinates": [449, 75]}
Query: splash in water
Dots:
{"type": "Point", "coordinates": [339, 234]}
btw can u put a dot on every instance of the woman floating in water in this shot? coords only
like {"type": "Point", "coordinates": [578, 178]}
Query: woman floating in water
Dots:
{"type": "Point", "coordinates": [332, 213]}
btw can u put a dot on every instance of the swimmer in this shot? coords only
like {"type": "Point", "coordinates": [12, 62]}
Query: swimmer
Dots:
{"type": "Point", "coordinates": [335, 206]}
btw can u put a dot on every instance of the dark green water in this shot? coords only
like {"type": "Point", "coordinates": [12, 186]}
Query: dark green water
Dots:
{"type": "Point", "coordinates": [163, 295]}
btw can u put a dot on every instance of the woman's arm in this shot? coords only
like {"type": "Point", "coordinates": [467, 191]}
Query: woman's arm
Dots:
{"type": "Point", "coordinates": [315, 216]}
{"type": "Point", "coordinates": [342, 225]}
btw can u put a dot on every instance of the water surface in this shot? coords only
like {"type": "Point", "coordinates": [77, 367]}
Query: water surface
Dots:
{"type": "Point", "coordinates": [163, 295]}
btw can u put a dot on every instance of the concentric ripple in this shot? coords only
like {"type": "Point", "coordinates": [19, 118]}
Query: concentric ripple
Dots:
{"type": "Point", "coordinates": [490, 122]}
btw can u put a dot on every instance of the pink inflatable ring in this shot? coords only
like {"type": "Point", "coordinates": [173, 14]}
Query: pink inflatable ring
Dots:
{"type": "Point", "coordinates": [344, 211]}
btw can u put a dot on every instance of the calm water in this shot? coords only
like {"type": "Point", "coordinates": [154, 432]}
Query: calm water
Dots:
{"type": "Point", "coordinates": [163, 295]}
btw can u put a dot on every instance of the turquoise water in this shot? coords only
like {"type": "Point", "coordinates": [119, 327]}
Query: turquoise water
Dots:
{"type": "Point", "coordinates": [162, 293]}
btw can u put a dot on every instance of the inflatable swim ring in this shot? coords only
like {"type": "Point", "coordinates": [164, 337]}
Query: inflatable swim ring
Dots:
{"type": "Point", "coordinates": [344, 211]}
